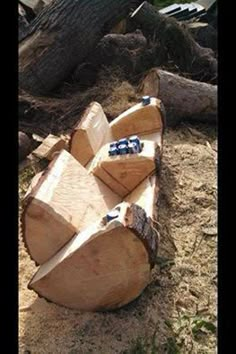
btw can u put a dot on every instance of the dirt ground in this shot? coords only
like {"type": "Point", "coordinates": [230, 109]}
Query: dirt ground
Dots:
{"type": "Point", "coordinates": [177, 311]}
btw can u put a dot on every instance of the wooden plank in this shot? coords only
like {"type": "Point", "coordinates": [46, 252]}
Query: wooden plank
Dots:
{"type": "Point", "coordinates": [50, 145]}
{"type": "Point", "coordinates": [138, 120]}
{"type": "Point", "coordinates": [65, 200]}
{"type": "Point", "coordinates": [104, 267]}
{"type": "Point", "coordinates": [90, 134]}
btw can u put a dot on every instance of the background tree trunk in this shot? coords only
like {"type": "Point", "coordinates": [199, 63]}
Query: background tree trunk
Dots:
{"type": "Point", "coordinates": [61, 37]}
{"type": "Point", "coordinates": [188, 55]}
{"type": "Point", "coordinates": [183, 99]}
{"type": "Point", "coordinates": [204, 34]}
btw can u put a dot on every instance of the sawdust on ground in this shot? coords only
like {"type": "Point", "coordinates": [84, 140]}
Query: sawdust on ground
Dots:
{"type": "Point", "coordinates": [177, 312]}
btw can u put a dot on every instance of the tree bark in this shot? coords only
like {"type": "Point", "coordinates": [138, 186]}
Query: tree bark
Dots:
{"type": "Point", "coordinates": [125, 51]}
{"type": "Point", "coordinates": [183, 99]}
{"type": "Point", "coordinates": [61, 37]}
{"type": "Point", "coordinates": [204, 34]}
{"type": "Point", "coordinates": [188, 55]}
{"type": "Point", "coordinates": [24, 145]}
{"type": "Point", "coordinates": [22, 22]}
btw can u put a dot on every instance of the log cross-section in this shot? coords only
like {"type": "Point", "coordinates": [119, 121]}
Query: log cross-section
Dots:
{"type": "Point", "coordinates": [104, 267]}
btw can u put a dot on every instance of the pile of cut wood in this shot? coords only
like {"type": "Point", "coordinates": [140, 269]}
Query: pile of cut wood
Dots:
{"type": "Point", "coordinates": [90, 219]}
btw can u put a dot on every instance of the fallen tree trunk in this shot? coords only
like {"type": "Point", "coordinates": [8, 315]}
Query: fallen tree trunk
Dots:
{"type": "Point", "coordinates": [183, 98]}
{"type": "Point", "coordinates": [60, 38]}
{"type": "Point", "coordinates": [128, 52]}
{"type": "Point", "coordinates": [180, 46]}
{"type": "Point", "coordinates": [204, 34]}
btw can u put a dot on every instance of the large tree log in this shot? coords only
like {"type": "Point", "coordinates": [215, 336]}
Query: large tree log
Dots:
{"type": "Point", "coordinates": [60, 38]}
{"type": "Point", "coordinates": [188, 55]}
{"type": "Point", "coordinates": [182, 98]}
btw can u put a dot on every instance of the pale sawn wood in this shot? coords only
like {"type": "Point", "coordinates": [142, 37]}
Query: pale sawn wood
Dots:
{"type": "Point", "coordinates": [65, 200]}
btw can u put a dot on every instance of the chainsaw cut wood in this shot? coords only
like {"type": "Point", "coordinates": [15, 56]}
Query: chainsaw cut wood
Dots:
{"type": "Point", "coordinates": [51, 144]}
{"type": "Point", "coordinates": [65, 200]}
{"type": "Point", "coordinates": [90, 258]}
{"type": "Point", "coordinates": [122, 173]}
{"type": "Point", "coordinates": [138, 120]}
{"type": "Point", "coordinates": [104, 267]}
{"type": "Point", "coordinates": [91, 132]}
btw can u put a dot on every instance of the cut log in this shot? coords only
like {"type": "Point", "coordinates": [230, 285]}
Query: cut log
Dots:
{"type": "Point", "coordinates": [90, 134]}
{"type": "Point", "coordinates": [186, 54]}
{"type": "Point", "coordinates": [139, 120]}
{"type": "Point", "coordinates": [62, 30]}
{"type": "Point", "coordinates": [65, 200]}
{"type": "Point", "coordinates": [146, 195]}
{"type": "Point", "coordinates": [50, 146]}
{"type": "Point", "coordinates": [183, 99]}
{"type": "Point", "coordinates": [104, 267]}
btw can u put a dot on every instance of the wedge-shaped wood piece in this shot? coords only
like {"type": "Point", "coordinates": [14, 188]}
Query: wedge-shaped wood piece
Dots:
{"type": "Point", "coordinates": [146, 196]}
{"type": "Point", "coordinates": [51, 144]}
{"type": "Point", "coordinates": [104, 267]}
{"type": "Point", "coordinates": [63, 200]}
{"type": "Point", "coordinates": [90, 134]}
{"type": "Point", "coordinates": [138, 120]}
{"type": "Point", "coordinates": [122, 173]}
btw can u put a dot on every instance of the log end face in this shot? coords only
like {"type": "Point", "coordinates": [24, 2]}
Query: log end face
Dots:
{"type": "Point", "coordinates": [138, 120]}
{"type": "Point", "coordinates": [106, 273]}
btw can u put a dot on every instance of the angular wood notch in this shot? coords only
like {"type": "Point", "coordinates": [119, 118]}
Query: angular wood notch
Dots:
{"type": "Point", "coordinates": [122, 173]}
{"type": "Point", "coordinates": [91, 259]}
